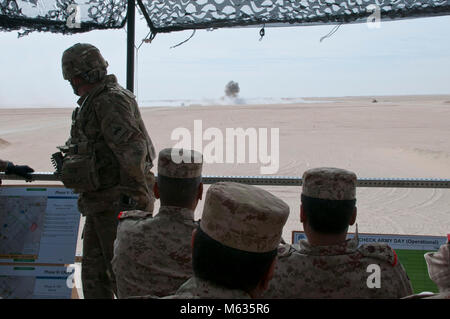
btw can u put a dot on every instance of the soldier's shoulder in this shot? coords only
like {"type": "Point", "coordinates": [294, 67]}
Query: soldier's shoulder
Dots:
{"type": "Point", "coordinates": [134, 214]}
{"type": "Point", "coordinates": [379, 251]}
{"type": "Point", "coordinates": [119, 91]}
{"type": "Point", "coordinates": [289, 256]}
{"type": "Point", "coordinates": [113, 87]}
{"type": "Point", "coordinates": [285, 250]}
{"type": "Point", "coordinates": [113, 92]}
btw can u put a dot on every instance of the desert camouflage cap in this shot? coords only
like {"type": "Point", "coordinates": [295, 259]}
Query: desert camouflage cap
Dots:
{"type": "Point", "coordinates": [83, 59]}
{"type": "Point", "coordinates": [329, 183]}
{"type": "Point", "coordinates": [439, 266]}
{"type": "Point", "coordinates": [244, 217]}
{"type": "Point", "coordinates": [180, 163]}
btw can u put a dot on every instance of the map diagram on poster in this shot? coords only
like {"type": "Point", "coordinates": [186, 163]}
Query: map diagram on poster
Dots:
{"type": "Point", "coordinates": [22, 224]}
{"type": "Point", "coordinates": [12, 287]}
{"type": "Point", "coordinates": [38, 225]}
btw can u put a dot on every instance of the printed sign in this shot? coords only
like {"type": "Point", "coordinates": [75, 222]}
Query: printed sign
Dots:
{"type": "Point", "coordinates": [38, 237]}
{"type": "Point", "coordinates": [35, 282]}
{"type": "Point", "coordinates": [38, 225]}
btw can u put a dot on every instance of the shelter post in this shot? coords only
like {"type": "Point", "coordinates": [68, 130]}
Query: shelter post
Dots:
{"type": "Point", "coordinates": [130, 44]}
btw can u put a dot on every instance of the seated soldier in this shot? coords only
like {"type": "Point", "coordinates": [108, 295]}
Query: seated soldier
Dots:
{"type": "Point", "coordinates": [439, 271]}
{"type": "Point", "coordinates": [152, 255]}
{"type": "Point", "coordinates": [327, 265]}
{"type": "Point", "coordinates": [235, 245]}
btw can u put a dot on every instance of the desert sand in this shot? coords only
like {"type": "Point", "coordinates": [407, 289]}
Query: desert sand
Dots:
{"type": "Point", "coordinates": [396, 137]}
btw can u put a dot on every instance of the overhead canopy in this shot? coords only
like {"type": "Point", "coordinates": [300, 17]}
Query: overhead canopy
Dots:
{"type": "Point", "coordinates": [71, 16]}
{"type": "Point", "coordinates": [173, 15]}
{"type": "Point", "coordinates": [62, 16]}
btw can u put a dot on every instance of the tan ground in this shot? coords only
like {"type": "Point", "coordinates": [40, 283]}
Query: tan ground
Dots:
{"type": "Point", "coordinates": [403, 137]}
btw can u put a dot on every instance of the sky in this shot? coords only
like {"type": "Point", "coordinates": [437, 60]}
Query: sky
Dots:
{"type": "Point", "coordinates": [400, 57]}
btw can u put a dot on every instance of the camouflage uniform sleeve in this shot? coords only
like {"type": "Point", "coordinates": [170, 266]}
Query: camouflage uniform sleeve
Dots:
{"type": "Point", "coordinates": [395, 274]}
{"type": "Point", "coordinates": [3, 165]}
{"type": "Point", "coordinates": [116, 114]}
{"type": "Point", "coordinates": [283, 284]}
{"type": "Point", "coordinates": [405, 286]}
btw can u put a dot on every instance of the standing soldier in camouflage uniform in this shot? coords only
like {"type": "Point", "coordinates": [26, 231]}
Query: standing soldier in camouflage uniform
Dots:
{"type": "Point", "coordinates": [108, 160]}
{"type": "Point", "coordinates": [326, 265]}
{"type": "Point", "coordinates": [20, 170]}
{"type": "Point", "coordinates": [152, 256]}
{"type": "Point", "coordinates": [235, 245]}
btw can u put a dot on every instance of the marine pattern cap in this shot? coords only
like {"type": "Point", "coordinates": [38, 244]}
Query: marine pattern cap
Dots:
{"type": "Point", "coordinates": [329, 183]}
{"type": "Point", "coordinates": [439, 266]}
{"type": "Point", "coordinates": [244, 217]}
{"type": "Point", "coordinates": [180, 163]}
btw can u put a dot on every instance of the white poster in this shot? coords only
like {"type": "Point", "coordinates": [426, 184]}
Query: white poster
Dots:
{"type": "Point", "coordinates": [35, 282]}
{"type": "Point", "coordinates": [38, 224]}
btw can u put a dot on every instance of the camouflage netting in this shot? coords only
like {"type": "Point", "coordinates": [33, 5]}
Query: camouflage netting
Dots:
{"type": "Point", "coordinates": [171, 15]}
{"type": "Point", "coordinates": [61, 16]}
{"type": "Point", "coordinates": [174, 15]}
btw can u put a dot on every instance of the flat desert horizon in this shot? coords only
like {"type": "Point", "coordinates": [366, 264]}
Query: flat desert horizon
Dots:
{"type": "Point", "coordinates": [396, 137]}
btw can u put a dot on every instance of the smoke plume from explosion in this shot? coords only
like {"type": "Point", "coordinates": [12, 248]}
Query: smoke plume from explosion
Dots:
{"type": "Point", "coordinates": [232, 89]}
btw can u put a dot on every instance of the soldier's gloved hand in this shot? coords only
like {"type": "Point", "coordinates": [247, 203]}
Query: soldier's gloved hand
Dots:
{"type": "Point", "coordinates": [20, 170]}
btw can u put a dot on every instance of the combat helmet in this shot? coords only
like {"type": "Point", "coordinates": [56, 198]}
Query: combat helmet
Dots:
{"type": "Point", "coordinates": [85, 60]}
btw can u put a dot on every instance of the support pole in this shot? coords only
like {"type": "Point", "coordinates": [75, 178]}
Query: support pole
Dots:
{"type": "Point", "coordinates": [130, 44]}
